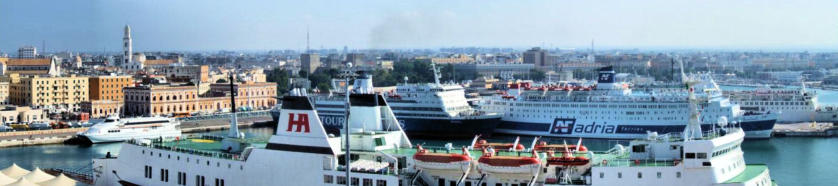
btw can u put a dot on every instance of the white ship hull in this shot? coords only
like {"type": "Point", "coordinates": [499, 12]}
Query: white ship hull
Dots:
{"type": "Point", "coordinates": [142, 134]}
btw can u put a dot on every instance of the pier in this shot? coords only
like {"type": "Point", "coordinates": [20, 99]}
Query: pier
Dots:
{"type": "Point", "coordinates": [807, 129]}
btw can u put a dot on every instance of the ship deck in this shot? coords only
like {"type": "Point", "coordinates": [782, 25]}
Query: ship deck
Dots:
{"type": "Point", "coordinates": [209, 146]}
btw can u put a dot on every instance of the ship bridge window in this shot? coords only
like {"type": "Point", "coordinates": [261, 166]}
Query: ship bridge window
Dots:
{"type": "Point", "coordinates": [690, 155]}
{"type": "Point", "coordinates": [379, 141]}
{"type": "Point", "coordinates": [638, 148]}
{"type": "Point", "coordinates": [384, 183]}
{"type": "Point", "coordinates": [328, 179]}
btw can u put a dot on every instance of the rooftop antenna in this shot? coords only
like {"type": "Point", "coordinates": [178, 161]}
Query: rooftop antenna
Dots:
{"type": "Point", "coordinates": [308, 50]}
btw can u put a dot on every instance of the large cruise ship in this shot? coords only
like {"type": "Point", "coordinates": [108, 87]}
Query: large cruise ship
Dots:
{"type": "Point", "coordinates": [302, 152]}
{"type": "Point", "coordinates": [792, 105]}
{"type": "Point", "coordinates": [611, 109]}
{"type": "Point", "coordinates": [426, 110]}
{"type": "Point", "coordinates": [114, 129]}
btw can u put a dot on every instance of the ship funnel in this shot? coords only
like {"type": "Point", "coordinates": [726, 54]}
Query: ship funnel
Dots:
{"type": "Point", "coordinates": [606, 75]}
{"type": "Point", "coordinates": [363, 83]}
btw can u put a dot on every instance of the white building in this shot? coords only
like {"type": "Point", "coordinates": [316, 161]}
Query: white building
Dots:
{"type": "Point", "coordinates": [27, 52]}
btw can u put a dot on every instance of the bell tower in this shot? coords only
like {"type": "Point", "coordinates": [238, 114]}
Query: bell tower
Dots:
{"type": "Point", "coordinates": [127, 46]}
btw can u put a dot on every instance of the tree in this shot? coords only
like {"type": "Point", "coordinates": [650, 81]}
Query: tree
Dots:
{"type": "Point", "coordinates": [280, 76]}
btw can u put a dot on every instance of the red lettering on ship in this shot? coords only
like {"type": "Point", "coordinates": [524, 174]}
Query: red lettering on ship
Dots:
{"type": "Point", "coordinates": [301, 122]}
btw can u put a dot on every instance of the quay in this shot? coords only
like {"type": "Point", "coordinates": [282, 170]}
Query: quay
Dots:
{"type": "Point", "coordinates": [188, 125]}
{"type": "Point", "coordinates": [807, 129]}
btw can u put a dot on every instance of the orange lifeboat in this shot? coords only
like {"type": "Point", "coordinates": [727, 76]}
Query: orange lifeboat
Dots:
{"type": "Point", "coordinates": [508, 164]}
{"type": "Point", "coordinates": [442, 161]}
{"type": "Point", "coordinates": [568, 160]}
{"type": "Point", "coordinates": [484, 145]}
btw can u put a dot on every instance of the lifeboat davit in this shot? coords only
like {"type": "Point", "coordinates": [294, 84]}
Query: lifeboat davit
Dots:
{"type": "Point", "coordinates": [442, 161]}
{"type": "Point", "coordinates": [508, 164]}
{"type": "Point", "coordinates": [484, 145]}
{"type": "Point", "coordinates": [544, 147]}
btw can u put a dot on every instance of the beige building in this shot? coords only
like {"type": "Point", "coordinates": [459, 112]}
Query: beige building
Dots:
{"type": "Point", "coordinates": [167, 100]}
{"type": "Point", "coordinates": [109, 87]}
{"type": "Point", "coordinates": [13, 114]}
{"type": "Point", "coordinates": [4, 93]}
{"type": "Point", "coordinates": [187, 73]}
{"type": "Point", "coordinates": [102, 108]}
{"type": "Point", "coordinates": [56, 92]}
{"type": "Point", "coordinates": [36, 66]}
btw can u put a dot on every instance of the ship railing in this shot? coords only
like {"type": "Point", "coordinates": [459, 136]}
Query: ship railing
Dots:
{"type": "Point", "coordinates": [634, 163]}
{"type": "Point", "coordinates": [158, 144]}
{"type": "Point", "coordinates": [383, 171]}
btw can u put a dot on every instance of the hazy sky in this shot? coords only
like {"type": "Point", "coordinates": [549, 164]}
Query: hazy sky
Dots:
{"type": "Point", "coordinates": [96, 25]}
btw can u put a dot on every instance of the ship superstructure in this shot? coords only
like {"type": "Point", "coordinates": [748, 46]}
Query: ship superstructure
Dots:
{"type": "Point", "coordinates": [792, 105]}
{"type": "Point", "coordinates": [611, 109]}
{"type": "Point", "coordinates": [426, 109]}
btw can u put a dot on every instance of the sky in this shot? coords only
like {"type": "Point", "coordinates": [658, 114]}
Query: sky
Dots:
{"type": "Point", "coordinates": [199, 25]}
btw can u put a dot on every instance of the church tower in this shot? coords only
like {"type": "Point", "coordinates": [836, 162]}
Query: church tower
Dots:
{"type": "Point", "coordinates": [126, 46]}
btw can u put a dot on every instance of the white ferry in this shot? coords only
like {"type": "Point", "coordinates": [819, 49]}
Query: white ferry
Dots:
{"type": "Point", "coordinates": [792, 105]}
{"type": "Point", "coordinates": [303, 153]}
{"type": "Point", "coordinates": [423, 109]}
{"type": "Point", "coordinates": [611, 109]}
{"type": "Point", "coordinates": [114, 129]}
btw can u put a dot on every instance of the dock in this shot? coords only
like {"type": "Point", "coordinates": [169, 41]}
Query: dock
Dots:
{"type": "Point", "coordinates": [807, 129]}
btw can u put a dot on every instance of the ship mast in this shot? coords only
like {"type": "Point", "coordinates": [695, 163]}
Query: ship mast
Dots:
{"type": "Point", "coordinates": [232, 143]}
{"type": "Point", "coordinates": [693, 129]}
{"type": "Point", "coordinates": [436, 73]}
{"type": "Point", "coordinates": [348, 75]}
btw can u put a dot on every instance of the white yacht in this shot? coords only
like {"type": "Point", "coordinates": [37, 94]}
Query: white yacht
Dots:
{"type": "Point", "coordinates": [115, 129]}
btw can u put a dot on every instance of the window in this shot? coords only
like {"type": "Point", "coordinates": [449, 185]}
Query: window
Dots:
{"type": "Point", "coordinates": [181, 178]}
{"type": "Point", "coordinates": [164, 175]}
{"type": "Point", "coordinates": [219, 182]}
{"type": "Point", "coordinates": [619, 175]}
{"type": "Point", "coordinates": [341, 180]}
{"type": "Point", "coordinates": [678, 174]}
{"type": "Point", "coordinates": [601, 175]}
{"type": "Point", "coordinates": [199, 180]}
{"type": "Point", "coordinates": [328, 179]}
{"type": "Point", "coordinates": [660, 175]}
{"type": "Point", "coordinates": [148, 172]}
{"type": "Point", "coordinates": [355, 181]}
{"type": "Point", "coordinates": [702, 155]}
{"type": "Point", "coordinates": [639, 175]}
{"type": "Point", "coordinates": [690, 155]}
{"type": "Point", "coordinates": [367, 182]}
